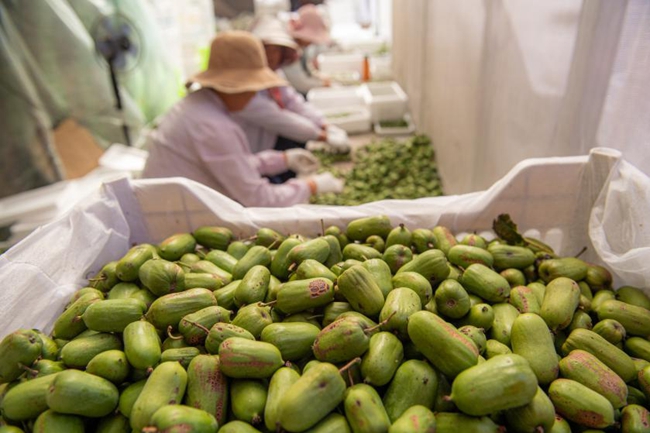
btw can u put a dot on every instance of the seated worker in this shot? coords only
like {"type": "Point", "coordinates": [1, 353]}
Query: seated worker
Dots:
{"type": "Point", "coordinates": [198, 138]}
{"type": "Point", "coordinates": [280, 118]}
{"type": "Point", "coordinates": [309, 30]}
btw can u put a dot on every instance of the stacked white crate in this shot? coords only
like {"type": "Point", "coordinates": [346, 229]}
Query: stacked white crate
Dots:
{"type": "Point", "coordinates": [365, 104]}
{"type": "Point", "coordinates": [385, 100]}
{"type": "Point", "coordinates": [342, 106]}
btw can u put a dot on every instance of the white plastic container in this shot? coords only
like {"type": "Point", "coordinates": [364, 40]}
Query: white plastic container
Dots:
{"type": "Point", "coordinates": [353, 120]}
{"type": "Point", "coordinates": [335, 97]}
{"type": "Point", "coordinates": [385, 100]}
{"type": "Point", "coordinates": [395, 131]}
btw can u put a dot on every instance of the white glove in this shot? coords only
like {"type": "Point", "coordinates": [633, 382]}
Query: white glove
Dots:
{"type": "Point", "coordinates": [337, 138]}
{"type": "Point", "coordinates": [301, 161]}
{"type": "Point", "coordinates": [326, 182]}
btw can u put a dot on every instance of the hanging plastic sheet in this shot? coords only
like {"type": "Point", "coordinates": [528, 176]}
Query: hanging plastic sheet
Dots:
{"type": "Point", "coordinates": [148, 77]}
{"type": "Point", "coordinates": [27, 159]}
{"type": "Point", "coordinates": [52, 71]}
{"type": "Point", "coordinates": [65, 59]}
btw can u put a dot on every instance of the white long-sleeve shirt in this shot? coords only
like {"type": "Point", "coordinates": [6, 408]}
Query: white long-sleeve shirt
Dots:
{"type": "Point", "coordinates": [263, 120]}
{"type": "Point", "coordinates": [199, 140]}
{"type": "Point", "coordinates": [299, 79]}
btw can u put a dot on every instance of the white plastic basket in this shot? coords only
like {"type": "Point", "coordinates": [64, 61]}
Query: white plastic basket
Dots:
{"type": "Point", "coordinates": [385, 100]}
{"type": "Point", "coordinates": [597, 201]}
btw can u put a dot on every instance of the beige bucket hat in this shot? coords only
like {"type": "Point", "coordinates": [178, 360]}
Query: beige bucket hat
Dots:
{"type": "Point", "coordinates": [237, 64]}
{"type": "Point", "coordinates": [309, 26]}
{"type": "Point", "coordinates": [272, 31]}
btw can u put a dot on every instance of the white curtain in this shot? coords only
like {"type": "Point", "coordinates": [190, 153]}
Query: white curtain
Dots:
{"type": "Point", "coordinates": [497, 81]}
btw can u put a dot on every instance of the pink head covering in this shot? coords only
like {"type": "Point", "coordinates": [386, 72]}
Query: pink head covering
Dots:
{"type": "Point", "coordinates": [309, 26]}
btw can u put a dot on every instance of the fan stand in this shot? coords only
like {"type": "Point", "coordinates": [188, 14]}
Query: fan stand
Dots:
{"type": "Point", "coordinates": [116, 46]}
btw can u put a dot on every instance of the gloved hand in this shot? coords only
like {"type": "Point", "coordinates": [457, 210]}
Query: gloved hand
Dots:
{"type": "Point", "coordinates": [325, 182]}
{"type": "Point", "coordinates": [301, 161]}
{"type": "Point", "coordinates": [337, 138]}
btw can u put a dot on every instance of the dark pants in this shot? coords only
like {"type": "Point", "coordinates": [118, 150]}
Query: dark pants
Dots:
{"type": "Point", "coordinates": [284, 144]}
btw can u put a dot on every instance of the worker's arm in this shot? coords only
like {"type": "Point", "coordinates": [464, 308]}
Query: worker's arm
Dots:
{"type": "Point", "coordinates": [299, 79]}
{"type": "Point", "coordinates": [295, 102]}
{"type": "Point", "coordinates": [265, 113]}
{"type": "Point", "coordinates": [239, 172]}
{"type": "Point", "coordinates": [269, 162]}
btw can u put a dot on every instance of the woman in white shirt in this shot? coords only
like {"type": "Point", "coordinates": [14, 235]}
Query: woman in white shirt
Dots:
{"type": "Point", "coordinates": [309, 30]}
{"type": "Point", "coordinates": [199, 139]}
{"type": "Point", "coordinates": [279, 112]}
{"type": "Point", "coordinates": [279, 117]}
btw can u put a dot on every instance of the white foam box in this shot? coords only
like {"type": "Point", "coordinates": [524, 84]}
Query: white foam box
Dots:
{"type": "Point", "coordinates": [596, 200]}
{"type": "Point", "coordinates": [385, 100]}
{"type": "Point", "coordinates": [335, 97]}
{"type": "Point", "coordinates": [353, 119]}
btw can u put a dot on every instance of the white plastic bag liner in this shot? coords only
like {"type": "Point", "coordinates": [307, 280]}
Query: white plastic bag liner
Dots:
{"type": "Point", "coordinates": [619, 225]}
{"type": "Point", "coordinates": [552, 198]}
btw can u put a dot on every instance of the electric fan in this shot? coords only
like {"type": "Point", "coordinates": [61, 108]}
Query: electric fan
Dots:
{"type": "Point", "coordinates": [119, 44]}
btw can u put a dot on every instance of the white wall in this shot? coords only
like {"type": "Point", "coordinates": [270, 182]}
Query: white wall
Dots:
{"type": "Point", "coordinates": [495, 82]}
